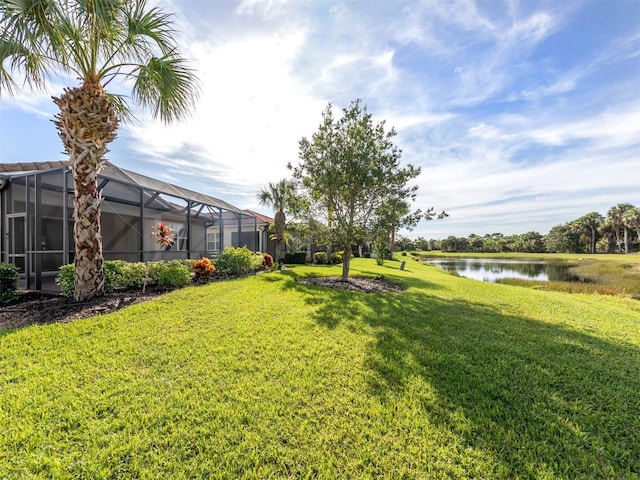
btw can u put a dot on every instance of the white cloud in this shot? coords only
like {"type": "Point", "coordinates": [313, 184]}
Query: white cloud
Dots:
{"type": "Point", "coordinates": [250, 116]}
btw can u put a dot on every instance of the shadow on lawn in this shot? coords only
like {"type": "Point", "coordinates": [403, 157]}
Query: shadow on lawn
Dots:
{"type": "Point", "coordinates": [537, 397]}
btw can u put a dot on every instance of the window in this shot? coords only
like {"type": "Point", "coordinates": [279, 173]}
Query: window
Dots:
{"type": "Point", "coordinates": [213, 241]}
{"type": "Point", "coordinates": [180, 237]}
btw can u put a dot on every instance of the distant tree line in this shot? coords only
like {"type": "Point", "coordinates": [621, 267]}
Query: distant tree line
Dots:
{"type": "Point", "coordinates": [617, 232]}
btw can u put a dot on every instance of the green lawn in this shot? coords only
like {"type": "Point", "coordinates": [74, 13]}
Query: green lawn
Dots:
{"type": "Point", "coordinates": [264, 377]}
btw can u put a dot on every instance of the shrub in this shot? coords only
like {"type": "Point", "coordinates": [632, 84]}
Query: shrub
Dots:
{"type": "Point", "coordinates": [404, 254]}
{"type": "Point", "coordinates": [65, 280]}
{"type": "Point", "coordinates": [176, 274]}
{"type": "Point", "coordinates": [267, 260]}
{"type": "Point", "coordinates": [336, 257]}
{"type": "Point", "coordinates": [320, 257]}
{"type": "Point", "coordinates": [113, 277]}
{"type": "Point", "coordinates": [296, 258]}
{"type": "Point", "coordinates": [154, 271]}
{"type": "Point", "coordinates": [133, 274]}
{"type": "Point", "coordinates": [8, 282]}
{"type": "Point", "coordinates": [203, 269]}
{"type": "Point", "coordinates": [238, 261]}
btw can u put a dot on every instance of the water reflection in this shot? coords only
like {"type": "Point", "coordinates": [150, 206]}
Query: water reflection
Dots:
{"type": "Point", "coordinates": [492, 270]}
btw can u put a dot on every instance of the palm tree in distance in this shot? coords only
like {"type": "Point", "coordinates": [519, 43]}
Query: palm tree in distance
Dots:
{"type": "Point", "coordinates": [589, 225]}
{"type": "Point", "coordinates": [616, 219]}
{"type": "Point", "coordinates": [279, 196]}
{"type": "Point", "coordinates": [96, 41]}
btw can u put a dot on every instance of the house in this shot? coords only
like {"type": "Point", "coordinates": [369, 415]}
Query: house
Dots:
{"type": "Point", "coordinates": [36, 220]}
{"type": "Point", "coordinates": [265, 244]}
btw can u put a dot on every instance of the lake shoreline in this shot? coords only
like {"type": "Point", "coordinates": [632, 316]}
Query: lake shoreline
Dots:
{"type": "Point", "coordinates": [606, 274]}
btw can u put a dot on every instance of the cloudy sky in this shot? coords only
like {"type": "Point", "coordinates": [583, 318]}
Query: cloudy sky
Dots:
{"type": "Point", "coordinates": [522, 115]}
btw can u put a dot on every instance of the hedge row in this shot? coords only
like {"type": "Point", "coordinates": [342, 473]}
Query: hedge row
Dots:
{"type": "Point", "coordinates": [119, 274]}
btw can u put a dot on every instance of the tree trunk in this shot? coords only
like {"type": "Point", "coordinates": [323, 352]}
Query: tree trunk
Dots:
{"type": "Point", "coordinates": [346, 262]}
{"type": "Point", "coordinates": [392, 241]}
{"type": "Point", "coordinates": [626, 239]}
{"type": "Point", "coordinates": [280, 222]}
{"type": "Point", "coordinates": [87, 122]}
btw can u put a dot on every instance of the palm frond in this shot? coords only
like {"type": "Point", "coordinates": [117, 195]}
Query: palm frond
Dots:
{"type": "Point", "coordinates": [122, 107]}
{"type": "Point", "coordinates": [149, 28]}
{"type": "Point", "coordinates": [167, 86]}
{"type": "Point", "coordinates": [25, 38]}
{"type": "Point", "coordinates": [98, 40]}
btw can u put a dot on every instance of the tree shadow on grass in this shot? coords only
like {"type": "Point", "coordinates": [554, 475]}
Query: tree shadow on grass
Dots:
{"type": "Point", "coordinates": [291, 279]}
{"type": "Point", "coordinates": [538, 397]}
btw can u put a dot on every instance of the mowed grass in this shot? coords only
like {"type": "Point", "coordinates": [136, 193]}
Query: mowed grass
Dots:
{"type": "Point", "coordinates": [264, 377]}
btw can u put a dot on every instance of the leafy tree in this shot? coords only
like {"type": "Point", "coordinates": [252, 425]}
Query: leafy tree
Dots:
{"type": "Point", "coordinates": [561, 239]}
{"type": "Point", "coordinates": [475, 243]}
{"type": "Point", "coordinates": [351, 171]}
{"type": "Point", "coordinates": [96, 41]}
{"type": "Point", "coordinates": [530, 242]}
{"type": "Point", "coordinates": [421, 243]}
{"type": "Point", "coordinates": [280, 196]}
{"type": "Point", "coordinates": [589, 224]}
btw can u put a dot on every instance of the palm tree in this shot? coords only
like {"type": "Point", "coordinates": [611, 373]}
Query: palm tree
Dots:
{"type": "Point", "coordinates": [96, 41]}
{"type": "Point", "coordinates": [589, 224]}
{"type": "Point", "coordinates": [615, 218]}
{"type": "Point", "coordinates": [280, 197]}
{"type": "Point", "coordinates": [631, 220]}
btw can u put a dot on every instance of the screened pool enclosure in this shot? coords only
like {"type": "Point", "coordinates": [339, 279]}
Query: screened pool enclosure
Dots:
{"type": "Point", "coordinates": [36, 213]}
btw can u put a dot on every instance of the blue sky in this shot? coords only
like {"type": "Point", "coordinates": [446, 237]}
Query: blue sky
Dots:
{"type": "Point", "coordinates": [522, 115]}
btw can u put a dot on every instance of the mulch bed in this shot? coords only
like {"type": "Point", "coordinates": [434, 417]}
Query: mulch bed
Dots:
{"type": "Point", "coordinates": [41, 307]}
{"type": "Point", "coordinates": [358, 284]}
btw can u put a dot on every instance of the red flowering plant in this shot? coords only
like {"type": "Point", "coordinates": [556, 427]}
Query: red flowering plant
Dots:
{"type": "Point", "coordinates": [267, 260]}
{"type": "Point", "coordinates": [203, 269]}
{"type": "Point", "coordinates": [164, 235]}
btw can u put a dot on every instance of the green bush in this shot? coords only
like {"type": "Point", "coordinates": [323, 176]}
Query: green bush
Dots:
{"type": "Point", "coordinates": [133, 275]}
{"type": "Point", "coordinates": [320, 257]}
{"type": "Point", "coordinates": [154, 271]}
{"type": "Point", "coordinates": [297, 258]}
{"type": "Point", "coordinates": [336, 257]}
{"type": "Point", "coordinates": [8, 282]}
{"type": "Point", "coordinates": [113, 277]}
{"type": "Point", "coordinates": [65, 280]}
{"type": "Point", "coordinates": [237, 261]}
{"type": "Point", "coordinates": [119, 274]}
{"type": "Point", "coordinates": [176, 274]}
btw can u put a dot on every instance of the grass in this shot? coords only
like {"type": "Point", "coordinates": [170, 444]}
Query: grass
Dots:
{"type": "Point", "coordinates": [264, 377]}
{"type": "Point", "coordinates": [603, 274]}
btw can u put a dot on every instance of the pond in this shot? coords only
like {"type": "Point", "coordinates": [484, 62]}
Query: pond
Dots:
{"type": "Point", "coordinates": [495, 269]}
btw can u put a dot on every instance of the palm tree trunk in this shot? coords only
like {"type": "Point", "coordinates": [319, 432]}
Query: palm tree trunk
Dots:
{"type": "Point", "coordinates": [87, 122]}
{"type": "Point", "coordinates": [626, 239]}
{"type": "Point", "coordinates": [280, 224]}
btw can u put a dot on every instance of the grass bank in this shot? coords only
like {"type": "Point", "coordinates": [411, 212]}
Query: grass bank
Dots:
{"type": "Point", "coordinates": [265, 377]}
{"type": "Point", "coordinates": [603, 274]}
